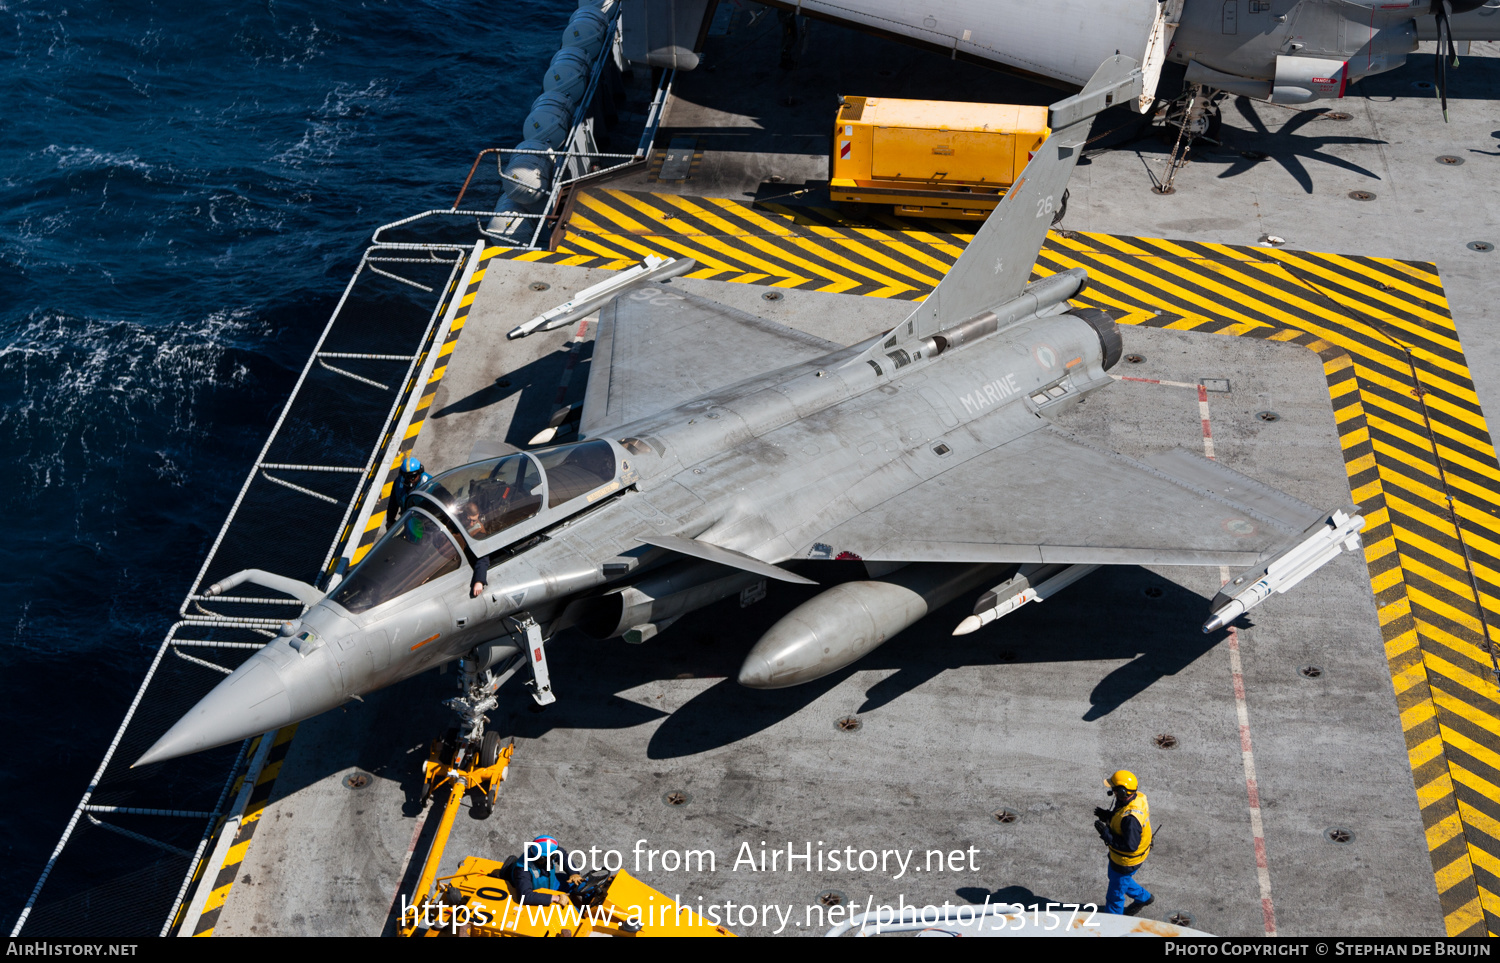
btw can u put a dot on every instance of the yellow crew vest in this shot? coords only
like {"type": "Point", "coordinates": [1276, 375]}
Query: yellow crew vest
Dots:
{"type": "Point", "coordinates": [1136, 807]}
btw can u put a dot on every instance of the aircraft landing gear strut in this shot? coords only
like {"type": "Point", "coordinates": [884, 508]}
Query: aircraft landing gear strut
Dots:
{"type": "Point", "coordinates": [478, 697]}
{"type": "Point", "coordinates": [468, 759]}
{"type": "Point", "coordinates": [1194, 116]}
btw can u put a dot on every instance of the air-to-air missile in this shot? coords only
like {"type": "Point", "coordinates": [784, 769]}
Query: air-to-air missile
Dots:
{"type": "Point", "coordinates": [718, 445]}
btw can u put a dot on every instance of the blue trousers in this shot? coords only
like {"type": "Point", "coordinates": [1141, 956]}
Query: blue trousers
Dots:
{"type": "Point", "coordinates": [1122, 886]}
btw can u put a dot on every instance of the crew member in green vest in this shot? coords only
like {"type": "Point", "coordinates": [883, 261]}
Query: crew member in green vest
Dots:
{"type": "Point", "coordinates": [1126, 830]}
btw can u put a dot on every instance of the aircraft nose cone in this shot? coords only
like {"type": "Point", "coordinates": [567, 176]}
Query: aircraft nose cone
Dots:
{"type": "Point", "coordinates": [755, 673]}
{"type": "Point", "coordinates": [252, 700]}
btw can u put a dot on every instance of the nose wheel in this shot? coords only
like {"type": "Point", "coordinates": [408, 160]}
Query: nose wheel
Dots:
{"type": "Point", "coordinates": [478, 694]}
{"type": "Point", "coordinates": [467, 758]}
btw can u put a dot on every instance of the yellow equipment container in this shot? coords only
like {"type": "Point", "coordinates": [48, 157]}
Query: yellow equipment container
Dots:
{"type": "Point", "coordinates": [931, 158]}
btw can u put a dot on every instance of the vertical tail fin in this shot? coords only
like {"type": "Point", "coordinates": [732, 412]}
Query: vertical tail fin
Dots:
{"type": "Point", "coordinates": [997, 263]}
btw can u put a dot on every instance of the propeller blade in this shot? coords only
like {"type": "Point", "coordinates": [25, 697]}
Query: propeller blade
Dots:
{"type": "Point", "coordinates": [1441, 9]}
{"type": "Point", "coordinates": [1452, 46]}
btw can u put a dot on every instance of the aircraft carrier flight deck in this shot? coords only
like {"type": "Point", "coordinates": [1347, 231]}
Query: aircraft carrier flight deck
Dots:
{"type": "Point", "coordinates": [1330, 767]}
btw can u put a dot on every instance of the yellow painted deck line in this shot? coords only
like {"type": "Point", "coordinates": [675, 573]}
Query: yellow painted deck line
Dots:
{"type": "Point", "coordinates": [770, 247]}
{"type": "Point", "coordinates": [1464, 648]}
{"type": "Point", "coordinates": [730, 249]}
{"type": "Point", "coordinates": [667, 244]}
{"type": "Point", "coordinates": [807, 245]}
{"type": "Point", "coordinates": [1124, 265]}
{"type": "Point", "coordinates": [1475, 716]}
{"type": "Point", "coordinates": [1417, 437]}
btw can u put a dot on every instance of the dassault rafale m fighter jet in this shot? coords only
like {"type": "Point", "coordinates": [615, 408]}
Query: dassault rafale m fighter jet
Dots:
{"type": "Point", "coordinates": [719, 446]}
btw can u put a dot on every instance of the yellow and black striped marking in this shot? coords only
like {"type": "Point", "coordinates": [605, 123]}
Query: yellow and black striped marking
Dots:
{"type": "Point", "coordinates": [261, 795]}
{"type": "Point", "coordinates": [368, 537]}
{"type": "Point", "coordinates": [1418, 453]}
{"type": "Point", "coordinates": [733, 241]}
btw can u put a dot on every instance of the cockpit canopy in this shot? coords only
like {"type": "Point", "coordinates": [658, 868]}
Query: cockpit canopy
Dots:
{"type": "Point", "coordinates": [497, 501]}
{"type": "Point", "coordinates": [488, 497]}
{"type": "Point", "coordinates": [416, 551]}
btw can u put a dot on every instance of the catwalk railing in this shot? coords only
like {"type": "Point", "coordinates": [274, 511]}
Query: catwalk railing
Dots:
{"type": "Point", "coordinates": [133, 844]}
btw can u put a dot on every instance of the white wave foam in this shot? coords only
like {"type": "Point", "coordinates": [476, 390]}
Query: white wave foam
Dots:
{"type": "Point", "coordinates": [333, 122]}
{"type": "Point", "coordinates": [88, 390]}
{"type": "Point", "coordinates": [73, 157]}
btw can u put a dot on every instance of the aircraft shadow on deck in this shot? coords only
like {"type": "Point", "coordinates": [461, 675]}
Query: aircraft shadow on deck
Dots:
{"type": "Point", "coordinates": [1245, 141]}
{"type": "Point", "coordinates": [1126, 613]}
{"type": "Point", "coordinates": [1295, 145]}
{"type": "Point", "coordinates": [1121, 614]}
{"type": "Point", "coordinates": [536, 383]}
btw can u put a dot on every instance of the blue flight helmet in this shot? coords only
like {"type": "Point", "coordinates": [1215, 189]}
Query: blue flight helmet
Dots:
{"type": "Point", "coordinates": [545, 859]}
{"type": "Point", "coordinates": [409, 476]}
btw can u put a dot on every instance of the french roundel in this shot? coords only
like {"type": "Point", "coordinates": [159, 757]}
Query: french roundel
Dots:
{"type": "Point", "coordinates": [1045, 356]}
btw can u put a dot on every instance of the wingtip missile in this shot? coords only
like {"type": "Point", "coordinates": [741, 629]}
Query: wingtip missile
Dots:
{"type": "Point", "coordinates": [1325, 541]}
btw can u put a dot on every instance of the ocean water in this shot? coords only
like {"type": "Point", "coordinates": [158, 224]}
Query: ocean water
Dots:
{"type": "Point", "coordinates": [184, 191]}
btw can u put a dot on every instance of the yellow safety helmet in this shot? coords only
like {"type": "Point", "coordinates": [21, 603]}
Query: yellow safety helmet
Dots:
{"type": "Point", "coordinates": [1123, 779]}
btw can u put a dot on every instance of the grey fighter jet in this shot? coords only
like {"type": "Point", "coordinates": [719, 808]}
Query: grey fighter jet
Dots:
{"type": "Point", "coordinates": [718, 447]}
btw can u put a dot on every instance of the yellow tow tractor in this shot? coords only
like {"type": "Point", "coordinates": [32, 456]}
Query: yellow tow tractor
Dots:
{"type": "Point", "coordinates": [931, 158]}
{"type": "Point", "coordinates": [476, 901]}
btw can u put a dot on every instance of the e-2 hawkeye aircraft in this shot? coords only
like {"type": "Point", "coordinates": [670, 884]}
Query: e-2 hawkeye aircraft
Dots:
{"type": "Point", "coordinates": [718, 445]}
{"type": "Point", "coordinates": [1284, 51]}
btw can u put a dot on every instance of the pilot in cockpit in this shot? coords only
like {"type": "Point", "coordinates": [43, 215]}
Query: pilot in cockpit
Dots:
{"type": "Point", "coordinates": [473, 519]}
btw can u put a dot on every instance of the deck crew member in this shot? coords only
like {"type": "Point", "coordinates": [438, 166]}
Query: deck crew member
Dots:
{"type": "Point", "coordinates": [542, 867]}
{"type": "Point", "coordinates": [410, 477]}
{"type": "Point", "coordinates": [1126, 830]}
